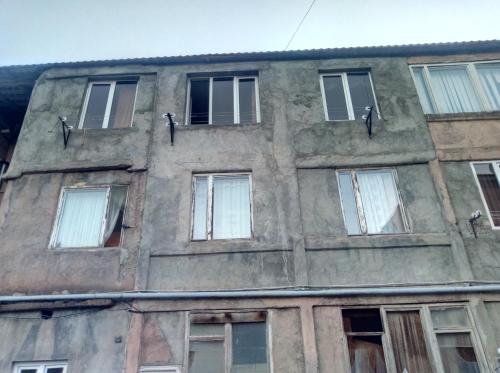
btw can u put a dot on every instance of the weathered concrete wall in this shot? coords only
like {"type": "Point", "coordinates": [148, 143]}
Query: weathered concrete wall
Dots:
{"type": "Point", "coordinates": [86, 342]}
{"type": "Point", "coordinates": [484, 251]}
{"type": "Point", "coordinates": [27, 216]}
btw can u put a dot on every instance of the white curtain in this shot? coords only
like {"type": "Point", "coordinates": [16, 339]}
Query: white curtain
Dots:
{"type": "Point", "coordinates": [380, 201]}
{"type": "Point", "coordinates": [200, 208]}
{"type": "Point", "coordinates": [116, 204]}
{"type": "Point", "coordinates": [81, 217]}
{"type": "Point", "coordinates": [423, 93]}
{"type": "Point", "coordinates": [453, 90]}
{"type": "Point", "coordinates": [490, 77]}
{"type": "Point", "coordinates": [231, 207]}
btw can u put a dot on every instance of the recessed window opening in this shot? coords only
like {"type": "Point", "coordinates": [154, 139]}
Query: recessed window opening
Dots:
{"type": "Point", "coordinates": [223, 100]}
{"type": "Point", "coordinates": [488, 178]}
{"type": "Point", "coordinates": [347, 95]}
{"type": "Point", "coordinates": [90, 217]}
{"type": "Point", "coordinates": [109, 104]}
{"type": "Point", "coordinates": [37, 367]}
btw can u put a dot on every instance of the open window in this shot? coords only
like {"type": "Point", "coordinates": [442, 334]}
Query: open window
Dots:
{"type": "Point", "coordinates": [90, 217]}
{"type": "Point", "coordinates": [37, 367]}
{"type": "Point", "coordinates": [223, 100]}
{"type": "Point", "coordinates": [371, 202]}
{"type": "Point", "coordinates": [488, 178]}
{"type": "Point", "coordinates": [236, 344]}
{"type": "Point", "coordinates": [109, 104]}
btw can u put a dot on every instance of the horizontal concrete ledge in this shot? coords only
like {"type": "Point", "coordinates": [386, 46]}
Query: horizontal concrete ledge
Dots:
{"type": "Point", "coordinates": [343, 161]}
{"type": "Point", "coordinates": [219, 247]}
{"type": "Point", "coordinates": [449, 117]}
{"type": "Point", "coordinates": [378, 241]}
{"type": "Point", "coordinates": [297, 293]}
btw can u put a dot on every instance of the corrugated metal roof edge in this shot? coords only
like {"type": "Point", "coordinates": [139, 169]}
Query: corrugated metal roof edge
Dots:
{"type": "Point", "coordinates": [406, 50]}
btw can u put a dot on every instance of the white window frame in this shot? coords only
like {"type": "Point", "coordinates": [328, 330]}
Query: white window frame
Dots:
{"type": "Point", "coordinates": [60, 207]}
{"type": "Point", "coordinates": [160, 369]}
{"type": "Point", "coordinates": [210, 179]}
{"type": "Point", "coordinates": [496, 170]}
{"type": "Point", "coordinates": [347, 95]}
{"type": "Point", "coordinates": [109, 102]}
{"type": "Point", "coordinates": [474, 78]}
{"type": "Point", "coordinates": [236, 96]}
{"type": "Point", "coordinates": [359, 205]}
{"type": "Point", "coordinates": [41, 367]}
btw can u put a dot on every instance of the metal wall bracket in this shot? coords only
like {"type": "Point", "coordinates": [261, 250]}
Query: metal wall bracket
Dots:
{"type": "Point", "coordinates": [171, 124]}
{"type": "Point", "coordinates": [368, 120]}
{"type": "Point", "coordinates": [66, 130]}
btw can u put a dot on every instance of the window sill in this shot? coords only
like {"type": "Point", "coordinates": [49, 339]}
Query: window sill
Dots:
{"type": "Point", "coordinates": [462, 116]}
{"type": "Point", "coordinates": [84, 249]}
{"type": "Point", "coordinates": [188, 127]}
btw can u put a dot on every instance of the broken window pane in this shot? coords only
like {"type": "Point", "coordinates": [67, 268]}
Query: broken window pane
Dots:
{"type": "Point", "coordinates": [96, 105]}
{"type": "Point", "coordinates": [361, 92]}
{"type": "Point", "coordinates": [115, 214]}
{"type": "Point", "coordinates": [408, 343]}
{"type": "Point", "coordinates": [349, 203]}
{"type": "Point", "coordinates": [247, 101]}
{"type": "Point", "coordinates": [206, 357]}
{"type": "Point", "coordinates": [249, 348]}
{"type": "Point", "coordinates": [457, 353]}
{"type": "Point", "coordinates": [199, 101]}
{"type": "Point", "coordinates": [362, 320]}
{"type": "Point", "coordinates": [207, 329]}
{"type": "Point", "coordinates": [335, 98]}
{"type": "Point", "coordinates": [222, 101]}
{"type": "Point", "coordinates": [491, 189]}
{"type": "Point", "coordinates": [122, 108]}
{"type": "Point", "coordinates": [449, 318]}
{"type": "Point", "coordinates": [200, 208]}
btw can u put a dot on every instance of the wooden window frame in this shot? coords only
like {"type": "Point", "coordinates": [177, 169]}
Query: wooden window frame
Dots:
{"type": "Point", "coordinates": [60, 207]}
{"type": "Point", "coordinates": [109, 102]}
{"type": "Point", "coordinates": [347, 95]}
{"type": "Point", "coordinates": [359, 206]}
{"type": "Point", "coordinates": [471, 68]}
{"type": "Point", "coordinates": [496, 170]}
{"type": "Point", "coordinates": [40, 366]}
{"type": "Point", "coordinates": [209, 223]}
{"type": "Point", "coordinates": [236, 95]}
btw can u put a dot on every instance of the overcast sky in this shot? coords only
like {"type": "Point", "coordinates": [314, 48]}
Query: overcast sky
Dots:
{"type": "Point", "coordinates": [37, 31]}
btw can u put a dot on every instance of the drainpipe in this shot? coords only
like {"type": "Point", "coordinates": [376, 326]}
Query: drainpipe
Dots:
{"type": "Point", "coordinates": [245, 294]}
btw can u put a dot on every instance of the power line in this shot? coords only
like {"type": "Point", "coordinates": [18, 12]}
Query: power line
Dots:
{"type": "Point", "coordinates": [300, 24]}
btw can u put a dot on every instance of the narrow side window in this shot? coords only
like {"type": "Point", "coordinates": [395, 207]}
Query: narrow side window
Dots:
{"type": "Point", "coordinates": [488, 177]}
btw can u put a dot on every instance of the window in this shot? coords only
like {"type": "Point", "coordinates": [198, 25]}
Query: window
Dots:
{"type": "Point", "coordinates": [236, 347]}
{"type": "Point", "coordinates": [160, 369]}
{"type": "Point", "coordinates": [109, 104]}
{"type": "Point", "coordinates": [89, 217]}
{"type": "Point", "coordinates": [222, 206]}
{"type": "Point", "coordinates": [223, 100]}
{"type": "Point", "coordinates": [49, 367]}
{"type": "Point", "coordinates": [370, 202]}
{"type": "Point", "coordinates": [454, 338]}
{"type": "Point", "coordinates": [488, 178]}
{"type": "Point", "coordinates": [458, 88]}
{"type": "Point", "coordinates": [347, 95]}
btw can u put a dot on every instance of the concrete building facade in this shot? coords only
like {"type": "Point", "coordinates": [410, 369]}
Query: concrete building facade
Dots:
{"type": "Point", "coordinates": [311, 212]}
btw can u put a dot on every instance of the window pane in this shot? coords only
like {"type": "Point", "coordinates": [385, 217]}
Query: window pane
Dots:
{"type": "Point", "coordinates": [349, 203]}
{"type": "Point", "coordinates": [200, 208]}
{"type": "Point", "coordinates": [335, 98]}
{"type": "Point", "coordinates": [449, 318]}
{"type": "Point", "coordinates": [457, 353]}
{"type": "Point", "coordinates": [199, 101]}
{"type": "Point", "coordinates": [29, 370]}
{"type": "Point", "coordinates": [423, 93]}
{"type": "Point", "coordinates": [249, 348]}
{"type": "Point", "coordinates": [490, 77]}
{"type": "Point", "coordinates": [491, 189]}
{"type": "Point", "coordinates": [81, 219]}
{"type": "Point", "coordinates": [408, 343]}
{"type": "Point", "coordinates": [453, 89]}
{"type": "Point", "coordinates": [231, 207]}
{"type": "Point", "coordinates": [122, 108]}
{"type": "Point", "coordinates": [222, 101]}
{"type": "Point", "coordinates": [247, 101]}
{"type": "Point", "coordinates": [206, 329]}
{"type": "Point", "coordinates": [55, 370]}
{"type": "Point", "coordinates": [362, 321]}
{"type": "Point", "coordinates": [366, 354]}
{"type": "Point", "coordinates": [380, 201]}
{"type": "Point", "coordinates": [114, 218]}
{"type": "Point", "coordinates": [96, 106]}
{"type": "Point", "coordinates": [206, 357]}
{"type": "Point", "coordinates": [361, 94]}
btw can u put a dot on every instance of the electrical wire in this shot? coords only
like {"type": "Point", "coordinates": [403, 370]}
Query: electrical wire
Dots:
{"type": "Point", "coordinates": [299, 25]}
